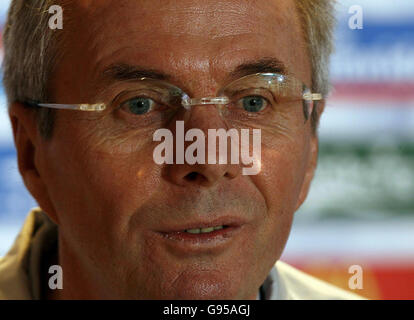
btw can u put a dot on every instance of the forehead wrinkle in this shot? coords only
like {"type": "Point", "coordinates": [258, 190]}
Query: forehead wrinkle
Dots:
{"type": "Point", "coordinates": [188, 18]}
{"type": "Point", "coordinates": [224, 11]}
{"type": "Point", "coordinates": [211, 18]}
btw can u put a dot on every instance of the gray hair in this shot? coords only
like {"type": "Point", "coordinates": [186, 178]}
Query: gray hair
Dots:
{"type": "Point", "coordinates": [31, 51]}
{"type": "Point", "coordinates": [318, 23]}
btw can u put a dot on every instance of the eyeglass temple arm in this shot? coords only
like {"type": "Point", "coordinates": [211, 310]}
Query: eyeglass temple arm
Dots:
{"type": "Point", "coordinates": [312, 96]}
{"type": "Point", "coordinates": [81, 107]}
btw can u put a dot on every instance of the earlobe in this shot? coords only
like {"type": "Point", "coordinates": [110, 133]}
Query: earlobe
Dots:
{"type": "Point", "coordinates": [28, 145]}
{"type": "Point", "coordinates": [320, 107]}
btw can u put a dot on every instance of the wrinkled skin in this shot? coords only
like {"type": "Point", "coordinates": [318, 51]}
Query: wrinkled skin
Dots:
{"type": "Point", "coordinates": [101, 185]}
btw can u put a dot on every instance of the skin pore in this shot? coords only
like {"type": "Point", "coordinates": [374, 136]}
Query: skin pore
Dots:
{"type": "Point", "coordinates": [101, 185]}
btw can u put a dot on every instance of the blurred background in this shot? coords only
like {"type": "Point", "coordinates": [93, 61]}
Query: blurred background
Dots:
{"type": "Point", "coordinates": [360, 210]}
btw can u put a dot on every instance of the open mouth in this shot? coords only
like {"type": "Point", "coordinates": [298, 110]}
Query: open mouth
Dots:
{"type": "Point", "coordinates": [201, 234]}
{"type": "Point", "coordinates": [205, 230]}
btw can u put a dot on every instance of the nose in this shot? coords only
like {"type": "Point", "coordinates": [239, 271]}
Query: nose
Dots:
{"type": "Point", "coordinates": [202, 118]}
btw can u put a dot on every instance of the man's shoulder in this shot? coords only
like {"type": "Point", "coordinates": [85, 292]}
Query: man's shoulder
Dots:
{"type": "Point", "coordinates": [293, 284]}
{"type": "Point", "coordinates": [20, 267]}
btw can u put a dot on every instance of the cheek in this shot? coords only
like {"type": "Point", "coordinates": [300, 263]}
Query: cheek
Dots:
{"type": "Point", "coordinates": [94, 182]}
{"type": "Point", "coordinates": [282, 174]}
{"type": "Point", "coordinates": [280, 182]}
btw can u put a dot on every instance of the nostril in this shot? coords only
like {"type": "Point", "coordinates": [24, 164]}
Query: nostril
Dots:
{"type": "Point", "coordinates": [192, 176]}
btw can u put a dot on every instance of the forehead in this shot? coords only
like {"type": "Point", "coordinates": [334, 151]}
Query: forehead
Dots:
{"type": "Point", "coordinates": [199, 39]}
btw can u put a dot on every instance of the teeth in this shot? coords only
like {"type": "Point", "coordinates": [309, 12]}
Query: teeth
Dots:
{"type": "Point", "coordinates": [193, 230]}
{"type": "Point", "coordinates": [203, 230]}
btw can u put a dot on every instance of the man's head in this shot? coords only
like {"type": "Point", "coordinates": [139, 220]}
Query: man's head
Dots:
{"type": "Point", "coordinates": [98, 181]}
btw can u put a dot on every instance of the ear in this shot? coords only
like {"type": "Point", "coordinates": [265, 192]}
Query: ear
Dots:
{"type": "Point", "coordinates": [29, 145]}
{"type": "Point", "coordinates": [313, 159]}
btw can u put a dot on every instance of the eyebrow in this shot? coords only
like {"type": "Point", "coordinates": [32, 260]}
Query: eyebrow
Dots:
{"type": "Point", "coordinates": [126, 72]}
{"type": "Point", "coordinates": [263, 65]}
{"type": "Point", "coordinates": [122, 72]}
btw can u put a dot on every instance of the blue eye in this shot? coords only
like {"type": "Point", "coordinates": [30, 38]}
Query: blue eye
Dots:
{"type": "Point", "coordinates": [139, 105]}
{"type": "Point", "coordinates": [254, 103]}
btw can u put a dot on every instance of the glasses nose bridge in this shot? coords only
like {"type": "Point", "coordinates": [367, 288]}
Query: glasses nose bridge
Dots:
{"type": "Point", "coordinates": [209, 119]}
{"type": "Point", "coordinates": [188, 102]}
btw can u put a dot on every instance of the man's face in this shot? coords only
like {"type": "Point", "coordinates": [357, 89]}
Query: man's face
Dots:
{"type": "Point", "coordinates": [114, 204]}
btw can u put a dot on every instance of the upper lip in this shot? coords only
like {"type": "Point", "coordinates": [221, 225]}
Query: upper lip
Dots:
{"type": "Point", "coordinates": [205, 223]}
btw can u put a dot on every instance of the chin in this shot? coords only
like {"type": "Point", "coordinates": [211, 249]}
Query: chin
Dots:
{"type": "Point", "coordinates": [204, 286]}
